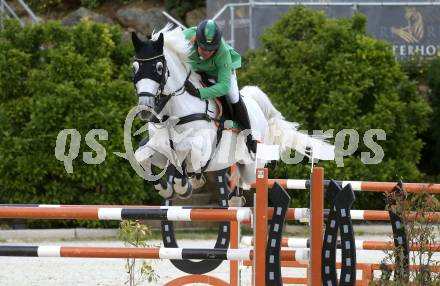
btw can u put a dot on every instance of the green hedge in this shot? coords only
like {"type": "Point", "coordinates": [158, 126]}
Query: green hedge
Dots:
{"type": "Point", "coordinates": [53, 78]}
{"type": "Point", "coordinates": [328, 74]}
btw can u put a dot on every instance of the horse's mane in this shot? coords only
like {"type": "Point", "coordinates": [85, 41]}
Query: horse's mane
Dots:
{"type": "Point", "coordinates": [174, 40]}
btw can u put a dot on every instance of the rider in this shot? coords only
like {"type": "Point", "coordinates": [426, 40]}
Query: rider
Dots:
{"type": "Point", "coordinates": [210, 54]}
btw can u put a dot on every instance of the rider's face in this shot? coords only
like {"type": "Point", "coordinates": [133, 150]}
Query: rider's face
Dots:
{"type": "Point", "coordinates": [204, 53]}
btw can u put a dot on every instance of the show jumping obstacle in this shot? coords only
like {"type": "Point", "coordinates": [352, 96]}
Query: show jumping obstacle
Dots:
{"type": "Point", "coordinates": [341, 196]}
{"type": "Point", "coordinates": [257, 254]}
{"type": "Point", "coordinates": [266, 257]}
{"type": "Point", "coordinates": [177, 213]}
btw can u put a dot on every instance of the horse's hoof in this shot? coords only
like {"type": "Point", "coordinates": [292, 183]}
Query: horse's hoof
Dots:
{"type": "Point", "coordinates": [237, 202]}
{"type": "Point", "coordinates": [184, 192]}
{"type": "Point", "coordinates": [198, 182]}
{"type": "Point", "coordinates": [178, 187]}
{"type": "Point", "coordinates": [187, 195]}
{"type": "Point", "coordinates": [166, 193]}
{"type": "Point", "coordinates": [170, 198]}
{"type": "Point", "coordinates": [175, 196]}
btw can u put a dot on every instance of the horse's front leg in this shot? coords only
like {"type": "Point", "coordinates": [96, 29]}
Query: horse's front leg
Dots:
{"type": "Point", "coordinates": [181, 183]}
{"type": "Point", "coordinates": [165, 189]}
{"type": "Point", "coordinates": [148, 158]}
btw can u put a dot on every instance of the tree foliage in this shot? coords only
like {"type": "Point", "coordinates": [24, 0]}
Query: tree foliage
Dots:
{"type": "Point", "coordinates": [433, 132]}
{"type": "Point", "coordinates": [53, 78]}
{"type": "Point", "coordinates": [426, 72]}
{"type": "Point", "coordinates": [328, 74]}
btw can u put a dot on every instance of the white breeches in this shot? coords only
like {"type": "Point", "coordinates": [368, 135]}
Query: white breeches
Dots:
{"type": "Point", "coordinates": [233, 95]}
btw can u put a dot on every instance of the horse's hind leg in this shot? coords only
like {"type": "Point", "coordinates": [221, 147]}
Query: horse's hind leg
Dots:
{"type": "Point", "coordinates": [247, 172]}
{"type": "Point", "coordinates": [244, 176]}
{"type": "Point", "coordinates": [236, 197]}
{"type": "Point", "coordinates": [198, 181]}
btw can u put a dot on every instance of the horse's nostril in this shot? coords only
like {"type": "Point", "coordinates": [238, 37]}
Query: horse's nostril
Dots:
{"type": "Point", "coordinates": [145, 115]}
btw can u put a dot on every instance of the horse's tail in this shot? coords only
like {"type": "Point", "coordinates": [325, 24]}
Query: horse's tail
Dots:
{"type": "Point", "coordinates": [284, 133]}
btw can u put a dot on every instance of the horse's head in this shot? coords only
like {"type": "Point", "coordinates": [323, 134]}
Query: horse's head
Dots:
{"type": "Point", "coordinates": [150, 73]}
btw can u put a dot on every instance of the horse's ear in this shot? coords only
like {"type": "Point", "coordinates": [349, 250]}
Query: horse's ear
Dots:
{"type": "Point", "coordinates": [158, 44]}
{"type": "Point", "coordinates": [136, 41]}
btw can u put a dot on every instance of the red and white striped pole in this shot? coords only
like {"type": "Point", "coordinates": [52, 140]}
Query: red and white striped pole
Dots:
{"type": "Point", "coordinates": [243, 254]}
{"type": "Point", "coordinates": [360, 186]}
{"type": "Point", "coordinates": [359, 243]}
{"type": "Point", "coordinates": [97, 213]}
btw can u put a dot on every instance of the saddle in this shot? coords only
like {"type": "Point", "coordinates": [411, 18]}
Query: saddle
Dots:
{"type": "Point", "coordinates": [226, 105]}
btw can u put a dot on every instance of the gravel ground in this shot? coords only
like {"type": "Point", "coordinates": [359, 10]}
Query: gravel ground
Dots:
{"type": "Point", "coordinates": [26, 271]}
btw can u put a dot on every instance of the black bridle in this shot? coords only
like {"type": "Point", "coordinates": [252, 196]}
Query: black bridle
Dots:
{"type": "Point", "coordinates": [160, 98]}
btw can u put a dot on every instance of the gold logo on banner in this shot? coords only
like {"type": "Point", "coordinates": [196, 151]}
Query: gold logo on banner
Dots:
{"type": "Point", "coordinates": [414, 31]}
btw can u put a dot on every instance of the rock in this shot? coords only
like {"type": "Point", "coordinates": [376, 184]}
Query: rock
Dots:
{"type": "Point", "coordinates": [126, 37]}
{"type": "Point", "coordinates": [143, 21]}
{"type": "Point", "coordinates": [194, 17]}
{"type": "Point", "coordinates": [17, 8]}
{"type": "Point", "coordinates": [81, 13]}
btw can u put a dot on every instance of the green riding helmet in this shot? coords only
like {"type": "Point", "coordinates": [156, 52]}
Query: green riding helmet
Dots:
{"type": "Point", "coordinates": [208, 35]}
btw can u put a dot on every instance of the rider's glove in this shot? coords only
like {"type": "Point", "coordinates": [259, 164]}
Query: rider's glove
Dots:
{"type": "Point", "coordinates": [191, 89]}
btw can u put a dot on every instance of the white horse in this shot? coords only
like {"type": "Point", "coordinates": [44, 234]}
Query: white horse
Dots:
{"type": "Point", "coordinates": [183, 128]}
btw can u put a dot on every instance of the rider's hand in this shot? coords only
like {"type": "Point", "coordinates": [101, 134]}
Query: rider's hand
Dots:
{"type": "Point", "coordinates": [191, 89]}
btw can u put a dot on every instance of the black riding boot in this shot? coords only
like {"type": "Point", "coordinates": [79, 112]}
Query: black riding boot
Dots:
{"type": "Point", "coordinates": [242, 116]}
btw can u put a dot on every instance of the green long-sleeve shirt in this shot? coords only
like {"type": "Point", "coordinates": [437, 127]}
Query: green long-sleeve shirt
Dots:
{"type": "Point", "coordinates": [219, 66]}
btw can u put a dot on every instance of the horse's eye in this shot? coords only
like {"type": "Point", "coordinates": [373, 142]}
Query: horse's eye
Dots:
{"type": "Point", "coordinates": [135, 67]}
{"type": "Point", "coordinates": [159, 67]}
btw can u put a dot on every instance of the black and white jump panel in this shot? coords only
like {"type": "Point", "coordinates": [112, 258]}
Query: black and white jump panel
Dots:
{"type": "Point", "coordinates": [339, 219]}
{"type": "Point", "coordinates": [223, 234]}
{"type": "Point", "coordinates": [279, 199]}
